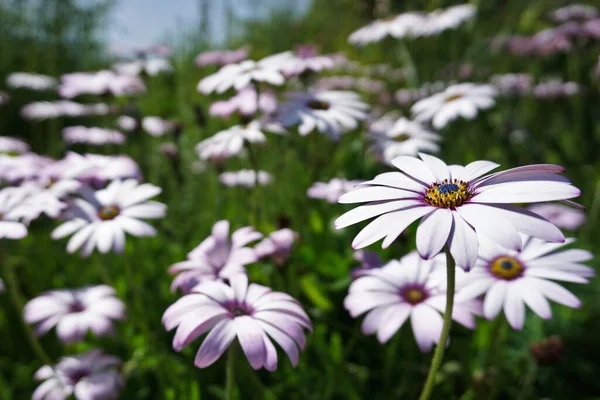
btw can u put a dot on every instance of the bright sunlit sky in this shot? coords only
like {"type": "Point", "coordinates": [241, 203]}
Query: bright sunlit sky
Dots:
{"type": "Point", "coordinates": [142, 22]}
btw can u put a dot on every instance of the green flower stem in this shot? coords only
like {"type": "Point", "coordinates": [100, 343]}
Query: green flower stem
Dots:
{"type": "Point", "coordinates": [230, 372]}
{"type": "Point", "coordinates": [19, 304]}
{"type": "Point", "coordinates": [438, 356]}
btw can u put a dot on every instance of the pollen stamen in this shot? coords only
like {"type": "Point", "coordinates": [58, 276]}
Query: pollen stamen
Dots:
{"type": "Point", "coordinates": [448, 194]}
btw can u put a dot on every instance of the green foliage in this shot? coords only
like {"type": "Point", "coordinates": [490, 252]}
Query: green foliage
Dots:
{"type": "Point", "coordinates": [338, 362]}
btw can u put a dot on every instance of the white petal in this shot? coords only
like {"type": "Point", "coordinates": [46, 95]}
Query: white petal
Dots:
{"type": "Point", "coordinates": [494, 299]}
{"type": "Point", "coordinates": [463, 243]}
{"type": "Point", "coordinates": [433, 232]}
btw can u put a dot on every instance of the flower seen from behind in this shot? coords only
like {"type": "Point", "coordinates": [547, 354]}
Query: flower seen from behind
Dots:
{"type": "Point", "coordinates": [218, 257]}
{"type": "Point", "coordinates": [252, 313]}
{"type": "Point", "coordinates": [456, 205]}
{"type": "Point", "coordinates": [277, 245]}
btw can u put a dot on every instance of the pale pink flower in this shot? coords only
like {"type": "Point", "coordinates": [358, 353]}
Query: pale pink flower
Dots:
{"type": "Point", "coordinates": [408, 288]}
{"type": "Point", "coordinates": [247, 102]}
{"type": "Point", "coordinates": [230, 142]}
{"type": "Point", "coordinates": [332, 190]}
{"type": "Point", "coordinates": [306, 58]}
{"type": "Point", "coordinates": [103, 168]}
{"type": "Point", "coordinates": [368, 260]}
{"type": "Point", "coordinates": [510, 279]}
{"type": "Point", "coordinates": [62, 108]}
{"type": "Point", "coordinates": [152, 66]}
{"type": "Point", "coordinates": [457, 205]}
{"type": "Point", "coordinates": [222, 57]}
{"type": "Point", "coordinates": [15, 169]}
{"type": "Point", "coordinates": [252, 313]}
{"type": "Point", "coordinates": [246, 178]}
{"type": "Point", "coordinates": [89, 376]}
{"type": "Point", "coordinates": [101, 219]}
{"type": "Point", "coordinates": [218, 257]}
{"type": "Point", "coordinates": [127, 123]}
{"type": "Point", "coordinates": [156, 126]}
{"type": "Point", "coordinates": [75, 312]}
{"type": "Point", "coordinates": [92, 135]}
{"type": "Point", "coordinates": [574, 12]}
{"type": "Point", "coordinates": [238, 76]}
{"type": "Point", "coordinates": [562, 216]}
{"type": "Point", "coordinates": [277, 245]}
{"type": "Point", "coordinates": [10, 214]}
{"type": "Point", "coordinates": [26, 80]}
{"type": "Point", "coordinates": [10, 145]}
{"type": "Point", "coordinates": [98, 83]}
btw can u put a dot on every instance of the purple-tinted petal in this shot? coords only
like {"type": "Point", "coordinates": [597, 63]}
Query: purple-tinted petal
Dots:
{"type": "Point", "coordinates": [494, 299]}
{"type": "Point", "coordinates": [497, 229]}
{"type": "Point", "coordinates": [537, 302]}
{"type": "Point", "coordinates": [557, 293]}
{"type": "Point", "coordinates": [393, 319]}
{"type": "Point", "coordinates": [427, 326]}
{"type": "Point", "coordinates": [526, 192]}
{"type": "Point", "coordinates": [287, 343]}
{"type": "Point", "coordinates": [250, 335]}
{"type": "Point", "coordinates": [271, 353]}
{"type": "Point", "coordinates": [215, 343]}
{"type": "Point", "coordinates": [514, 309]}
{"type": "Point", "coordinates": [463, 243]}
{"type": "Point", "coordinates": [433, 232]}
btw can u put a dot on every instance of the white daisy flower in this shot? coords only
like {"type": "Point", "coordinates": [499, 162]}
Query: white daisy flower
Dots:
{"type": "Point", "coordinates": [10, 145]}
{"type": "Point", "coordinates": [156, 126]}
{"type": "Point", "coordinates": [30, 81]}
{"type": "Point", "coordinates": [456, 205]}
{"type": "Point", "coordinates": [397, 26]}
{"type": "Point", "coordinates": [230, 142]}
{"type": "Point", "coordinates": [402, 137]}
{"type": "Point", "coordinates": [510, 279]}
{"type": "Point", "coordinates": [92, 135]}
{"type": "Point", "coordinates": [10, 213]}
{"type": "Point", "coordinates": [101, 219]}
{"type": "Point", "coordinates": [460, 100]}
{"type": "Point", "coordinates": [330, 112]}
{"type": "Point", "coordinates": [332, 190]}
{"type": "Point", "coordinates": [444, 19]}
{"type": "Point", "coordinates": [241, 75]}
{"type": "Point", "coordinates": [245, 177]}
{"type": "Point", "coordinates": [152, 66]}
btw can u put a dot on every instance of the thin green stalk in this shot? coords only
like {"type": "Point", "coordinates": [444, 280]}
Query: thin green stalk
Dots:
{"type": "Point", "coordinates": [17, 300]}
{"type": "Point", "coordinates": [438, 356]}
{"type": "Point", "coordinates": [230, 372]}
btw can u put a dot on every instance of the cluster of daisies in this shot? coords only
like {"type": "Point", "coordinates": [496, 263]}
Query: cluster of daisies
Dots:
{"type": "Point", "coordinates": [508, 256]}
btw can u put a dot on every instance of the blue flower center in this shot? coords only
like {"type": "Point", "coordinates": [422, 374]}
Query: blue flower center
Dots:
{"type": "Point", "coordinates": [448, 188]}
{"type": "Point", "coordinates": [506, 268]}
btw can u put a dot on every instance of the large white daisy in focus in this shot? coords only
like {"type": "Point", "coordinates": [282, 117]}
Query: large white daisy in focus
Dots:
{"type": "Point", "coordinates": [512, 279]}
{"type": "Point", "coordinates": [457, 205]}
{"type": "Point", "coordinates": [462, 100]}
{"type": "Point", "coordinates": [330, 112]}
{"type": "Point", "coordinates": [240, 75]}
{"type": "Point", "coordinates": [100, 219]}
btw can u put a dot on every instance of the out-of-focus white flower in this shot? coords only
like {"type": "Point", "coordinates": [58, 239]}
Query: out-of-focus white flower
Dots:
{"type": "Point", "coordinates": [10, 145]}
{"type": "Point", "coordinates": [245, 177]}
{"type": "Point", "coordinates": [99, 169]}
{"type": "Point", "coordinates": [460, 100]}
{"type": "Point", "coordinates": [26, 80]}
{"type": "Point", "coordinates": [574, 12]}
{"type": "Point", "coordinates": [306, 58]}
{"type": "Point", "coordinates": [126, 123]}
{"type": "Point", "coordinates": [92, 135]}
{"type": "Point", "coordinates": [222, 57]}
{"type": "Point", "coordinates": [101, 219]}
{"type": "Point", "coordinates": [62, 108]}
{"type": "Point", "coordinates": [98, 83]}
{"type": "Point", "coordinates": [412, 24]}
{"type": "Point", "coordinates": [332, 190]}
{"type": "Point", "coordinates": [247, 102]}
{"type": "Point", "coordinates": [513, 83]}
{"type": "Point", "coordinates": [402, 137]}
{"type": "Point", "coordinates": [15, 169]}
{"type": "Point", "coordinates": [156, 126]}
{"type": "Point", "coordinates": [330, 112]}
{"type": "Point", "coordinates": [555, 89]}
{"type": "Point", "coordinates": [240, 75]}
{"type": "Point", "coordinates": [230, 142]}
{"type": "Point", "coordinates": [10, 215]}
{"type": "Point", "coordinates": [152, 66]}
{"type": "Point", "coordinates": [560, 215]}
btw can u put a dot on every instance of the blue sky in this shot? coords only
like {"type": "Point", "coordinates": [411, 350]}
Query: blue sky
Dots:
{"type": "Point", "coordinates": [142, 22]}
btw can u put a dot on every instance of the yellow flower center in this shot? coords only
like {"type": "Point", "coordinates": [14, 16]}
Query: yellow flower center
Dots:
{"type": "Point", "coordinates": [507, 268]}
{"type": "Point", "coordinates": [401, 138]}
{"type": "Point", "coordinates": [108, 212]}
{"type": "Point", "coordinates": [414, 295]}
{"type": "Point", "coordinates": [448, 194]}
{"type": "Point", "coordinates": [453, 97]}
{"type": "Point", "coordinates": [318, 105]}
